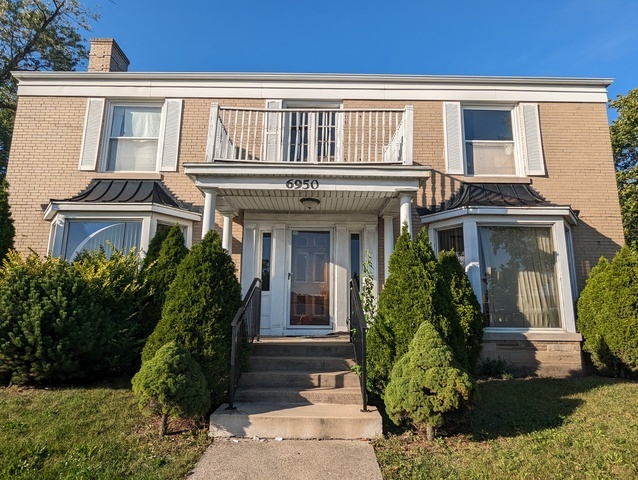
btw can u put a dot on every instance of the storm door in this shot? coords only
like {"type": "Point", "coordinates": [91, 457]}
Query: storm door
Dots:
{"type": "Point", "coordinates": [310, 279]}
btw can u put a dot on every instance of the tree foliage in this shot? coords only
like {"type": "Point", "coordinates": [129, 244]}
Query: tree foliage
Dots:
{"type": "Point", "coordinates": [427, 383]}
{"type": "Point", "coordinates": [608, 313]}
{"type": "Point", "coordinates": [624, 142]}
{"type": "Point", "coordinates": [165, 252]}
{"type": "Point", "coordinates": [37, 35]}
{"type": "Point", "coordinates": [7, 230]}
{"type": "Point", "coordinates": [199, 309]}
{"type": "Point", "coordinates": [171, 384]}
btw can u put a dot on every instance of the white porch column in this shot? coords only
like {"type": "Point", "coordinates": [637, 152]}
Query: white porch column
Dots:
{"type": "Point", "coordinates": [227, 234]}
{"type": "Point", "coordinates": [248, 257]}
{"type": "Point", "coordinates": [472, 258]}
{"type": "Point", "coordinates": [341, 260]}
{"type": "Point", "coordinates": [371, 243]}
{"type": "Point", "coordinates": [406, 211]}
{"type": "Point", "coordinates": [208, 220]}
{"type": "Point", "coordinates": [279, 281]}
{"type": "Point", "coordinates": [388, 243]}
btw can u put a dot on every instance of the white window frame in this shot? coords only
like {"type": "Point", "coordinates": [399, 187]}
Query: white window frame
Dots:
{"type": "Point", "coordinates": [516, 139]}
{"type": "Point", "coordinates": [148, 217]}
{"type": "Point", "coordinates": [106, 134]}
{"type": "Point", "coordinates": [508, 217]}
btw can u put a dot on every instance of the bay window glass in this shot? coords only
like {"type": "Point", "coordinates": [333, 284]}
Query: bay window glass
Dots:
{"type": "Point", "coordinates": [452, 240]}
{"type": "Point", "coordinates": [489, 142]}
{"type": "Point", "coordinates": [133, 138]}
{"type": "Point", "coordinates": [518, 273]}
{"type": "Point", "coordinates": [90, 235]}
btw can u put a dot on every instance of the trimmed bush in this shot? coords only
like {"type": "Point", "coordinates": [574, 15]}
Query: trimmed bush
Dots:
{"type": "Point", "coordinates": [427, 383]}
{"type": "Point", "coordinates": [608, 314]}
{"type": "Point", "coordinates": [52, 327]}
{"type": "Point", "coordinates": [166, 252]}
{"type": "Point", "coordinates": [199, 309]}
{"type": "Point", "coordinates": [7, 230]}
{"type": "Point", "coordinates": [415, 292]}
{"type": "Point", "coordinates": [116, 284]}
{"type": "Point", "coordinates": [171, 384]}
{"type": "Point", "coordinates": [468, 310]}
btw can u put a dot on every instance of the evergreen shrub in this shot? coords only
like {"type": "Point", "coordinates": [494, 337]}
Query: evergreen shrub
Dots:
{"type": "Point", "coordinates": [198, 312]}
{"type": "Point", "coordinates": [415, 292]}
{"type": "Point", "coordinates": [171, 384]}
{"type": "Point", "coordinates": [608, 314]}
{"type": "Point", "coordinates": [165, 253]}
{"type": "Point", "coordinates": [427, 383]}
{"type": "Point", "coordinates": [52, 327]}
{"type": "Point", "coordinates": [116, 284]}
{"type": "Point", "coordinates": [467, 307]}
{"type": "Point", "coordinates": [7, 230]}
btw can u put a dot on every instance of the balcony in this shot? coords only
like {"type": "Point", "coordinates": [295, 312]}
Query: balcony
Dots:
{"type": "Point", "coordinates": [310, 136]}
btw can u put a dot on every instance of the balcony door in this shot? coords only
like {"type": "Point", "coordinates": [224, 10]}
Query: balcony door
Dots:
{"type": "Point", "coordinates": [310, 279]}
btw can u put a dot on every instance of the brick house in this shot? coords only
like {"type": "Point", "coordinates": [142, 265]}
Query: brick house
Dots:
{"type": "Point", "coordinates": [303, 173]}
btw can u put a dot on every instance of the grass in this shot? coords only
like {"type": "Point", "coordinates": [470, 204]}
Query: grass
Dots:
{"type": "Point", "coordinates": [530, 428]}
{"type": "Point", "coordinates": [89, 433]}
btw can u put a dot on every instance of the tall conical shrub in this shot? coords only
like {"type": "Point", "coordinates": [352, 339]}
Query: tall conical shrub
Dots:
{"type": "Point", "coordinates": [466, 305]}
{"type": "Point", "coordinates": [166, 252]}
{"type": "Point", "coordinates": [199, 309]}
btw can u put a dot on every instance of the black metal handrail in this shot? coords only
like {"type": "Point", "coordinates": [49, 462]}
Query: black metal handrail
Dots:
{"type": "Point", "coordinates": [246, 325]}
{"type": "Point", "coordinates": [358, 331]}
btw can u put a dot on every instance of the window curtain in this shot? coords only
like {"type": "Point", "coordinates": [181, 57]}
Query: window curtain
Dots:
{"type": "Point", "coordinates": [136, 122]}
{"type": "Point", "coordinates": [520, 288]}
{"type": "Point", "coordinates": [134, 139]}
{"type": "Point", "coordinates": [90, 236]}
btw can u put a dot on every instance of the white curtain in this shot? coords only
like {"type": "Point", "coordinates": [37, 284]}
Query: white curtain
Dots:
{"type": "Point", "coordinates": [136, 122]}
{"type": "Point", "coordinates": [91, 235]}
{"type": "Point", "coordinates": [519, 277]}
{"type": "Point", "coordinates": [134, 139]}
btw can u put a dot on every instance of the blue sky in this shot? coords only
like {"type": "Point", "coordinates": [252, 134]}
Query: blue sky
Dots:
{"type": "Point", "coordinates": [569, 38]}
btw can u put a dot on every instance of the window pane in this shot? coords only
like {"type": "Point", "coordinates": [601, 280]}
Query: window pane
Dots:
{"type": "Point", "coordinates": [132, 155]}
{"type": "Point", "coordinates": [488, 125]}
{"type": "Point", "coordinates": [355, 257]}
{"type": "Point", "coordinates": [453, 240]}
{"type": "Point", "coordinates": [136, 122]}
{"type": "Point", "coordinates": [519, 277]}
{"type": "Point", "coordinates": [91, 235]}
{"type": "Point", "coordinates": [266, 242]}
{"type": "Point", "coordinates": [489, 158]}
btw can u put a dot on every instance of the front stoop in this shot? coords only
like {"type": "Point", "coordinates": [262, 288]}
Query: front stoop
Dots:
{"type": "Point", "coordinates": [298, 388]}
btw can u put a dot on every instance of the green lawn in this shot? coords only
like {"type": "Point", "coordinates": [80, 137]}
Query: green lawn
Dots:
{"type": "Point", "coordinates": [89, 433]}
{"type": "Point", "coordinates": [532, 428]}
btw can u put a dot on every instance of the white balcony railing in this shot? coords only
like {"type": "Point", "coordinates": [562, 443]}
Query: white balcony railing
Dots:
{"type": "Point", "coordinates": [310, 135]}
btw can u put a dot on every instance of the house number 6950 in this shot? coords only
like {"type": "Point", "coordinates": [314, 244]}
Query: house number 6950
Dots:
{"type": "Point", "coordinates": [304, 184]}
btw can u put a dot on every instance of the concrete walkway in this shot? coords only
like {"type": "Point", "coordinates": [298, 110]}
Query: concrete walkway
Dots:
{"type": "Point", "coordinates": [246, 459]}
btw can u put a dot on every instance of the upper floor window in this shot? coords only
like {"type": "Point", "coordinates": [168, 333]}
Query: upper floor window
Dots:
{"type": "Point", "coordinates": [133, 138]}
{"type": "Point", "coordinates": [489, 142]}
{"type": "Point", "coordinates": [497, 140]}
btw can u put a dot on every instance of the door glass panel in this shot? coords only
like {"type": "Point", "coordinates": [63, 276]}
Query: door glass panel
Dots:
{"type": "Point", "coordinates": [310, 282]}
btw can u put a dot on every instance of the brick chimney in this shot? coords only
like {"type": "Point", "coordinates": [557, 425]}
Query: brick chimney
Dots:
{"type": "Point", "coordinates": [107, 56]}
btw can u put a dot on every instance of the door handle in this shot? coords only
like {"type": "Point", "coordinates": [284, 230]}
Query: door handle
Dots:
{"type": "Point", "coordinates": [289, 275]}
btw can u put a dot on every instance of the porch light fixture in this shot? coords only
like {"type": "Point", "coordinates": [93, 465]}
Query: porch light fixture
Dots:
{"type": "Point", "coordinates": [310, 203]}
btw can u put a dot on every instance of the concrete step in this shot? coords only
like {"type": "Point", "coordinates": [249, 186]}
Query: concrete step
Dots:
{"type": "Point", "coordinates": [283, 378]}
{"type": "Point", "coordinates": [299, 363]}
{"type": "Point", "coordinates": [295, 421]}
{"type": "Point", "coordinates": [339, 396]}
{"type": "Point", "coordinates": [305, 349]}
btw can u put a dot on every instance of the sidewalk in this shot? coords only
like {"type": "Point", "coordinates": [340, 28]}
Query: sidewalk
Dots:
{"type": "Point", "coordinates": [246, 459]}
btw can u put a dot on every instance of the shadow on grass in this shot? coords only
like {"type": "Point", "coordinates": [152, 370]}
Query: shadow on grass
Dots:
{"type": "Point", "coordinates": [508, 408]}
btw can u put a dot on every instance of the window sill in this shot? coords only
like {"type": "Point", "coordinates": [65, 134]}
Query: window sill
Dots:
{"type": "Point", "coordinates": [491, 179]}
{"type": "Point", "coordinates": [128, 176]}
{"type": "Point", "coordinates": [541, 335]}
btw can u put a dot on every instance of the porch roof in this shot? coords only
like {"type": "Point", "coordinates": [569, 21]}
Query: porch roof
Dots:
{"type": "Point", "coordinates": [279, 187]}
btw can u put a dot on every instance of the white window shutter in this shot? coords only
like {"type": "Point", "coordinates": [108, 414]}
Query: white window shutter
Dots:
{"type": "Point", "coordinates": [170, 138]}
{"type": "Point", "coordinates": [532, 144]}
{"type": "Point", "coordinates": [92, 133]}
{"type": "Point", "coordinates": [272, 131]}
{"type": "Point", "coordinates": [453, 138]}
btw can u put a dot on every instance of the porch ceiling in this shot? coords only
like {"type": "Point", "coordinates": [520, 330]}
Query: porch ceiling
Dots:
{"type": "Point", "coordinates": [280, 187]}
